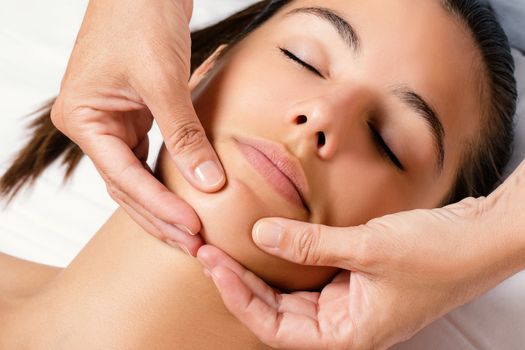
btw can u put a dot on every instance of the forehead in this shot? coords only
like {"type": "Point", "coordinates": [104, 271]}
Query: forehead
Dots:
{"type": "Point", "coordinates": [417, 43]}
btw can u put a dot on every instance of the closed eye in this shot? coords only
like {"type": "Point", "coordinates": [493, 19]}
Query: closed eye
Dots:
{"type": "Point", "coordinates": [384, 149]}
{"type": "Point", "coordinates": [296, 59]}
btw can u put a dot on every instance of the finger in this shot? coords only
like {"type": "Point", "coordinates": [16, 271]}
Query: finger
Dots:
{"type": "Point", "coordinates": [311, 296]}
{"type": "Point", "coordinates": [312, 244]}
{"type": "Point", "coordinates": [343, 276]}
{"type": "Point", "coordinates": [212, 257]}
{"type": "Point", "coordinates": [190, 244]}
{"type": "Point", "coordinates": [184, 136]}
{"type": "Point", "coordinates": [131, 183]}
{"type": "Point", "coordinates": [300, 303]}
{"type": "Point", "coordinates": [141, 151]}
{"type": "Point", "coordinates": [274, 328]}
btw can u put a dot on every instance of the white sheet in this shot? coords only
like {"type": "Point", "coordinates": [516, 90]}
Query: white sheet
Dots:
{"type": "Point", "coordinates": [51, 223]}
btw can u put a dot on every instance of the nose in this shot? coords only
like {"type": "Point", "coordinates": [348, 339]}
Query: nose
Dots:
{"type": "Point", "coordinates": [327, 123]}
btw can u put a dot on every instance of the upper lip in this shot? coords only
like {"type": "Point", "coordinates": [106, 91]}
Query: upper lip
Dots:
{"type": "Point", "coordinates": [284, 161]}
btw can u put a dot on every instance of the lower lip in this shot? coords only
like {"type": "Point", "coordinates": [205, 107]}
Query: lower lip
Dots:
{"type": "Point", "coordinates": [271, 173]}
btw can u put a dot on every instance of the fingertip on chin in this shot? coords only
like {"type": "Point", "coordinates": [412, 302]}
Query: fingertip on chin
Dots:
{"type": "Point", "coordinates": [202, 252]}
{"type": "Point", "coordinates": [208, 251]}
{"type": "Point", "coordinates": [205, 254]}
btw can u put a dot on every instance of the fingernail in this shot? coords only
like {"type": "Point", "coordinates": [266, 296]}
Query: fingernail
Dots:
{"type": "Point", "coordinates": [186, 250]}
{"type": "Point", "coordinates": [268, 234]}
{"type": "Point", "coordinates": [209, 174]}
{"type": "Point", "coordinates": [185, 229]}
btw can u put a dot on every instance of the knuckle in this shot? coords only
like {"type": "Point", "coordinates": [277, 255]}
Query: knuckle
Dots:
{"type": "Point", "coordinates": [113, 192]}
{"type": "Point", "coordinates": [65, 113]}
{"type": "Point", "coordinates": [113, 183]}
{"type": "Point", "coordinates": [186, 137]}
{"type": "Point", "coordinates": [56, 114]}
{"type": "Point", "coordinates": [306, 243]}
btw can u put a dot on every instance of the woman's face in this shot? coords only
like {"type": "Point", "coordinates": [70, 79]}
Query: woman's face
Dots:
{"type": "Point", "coordinates": [373, 122]}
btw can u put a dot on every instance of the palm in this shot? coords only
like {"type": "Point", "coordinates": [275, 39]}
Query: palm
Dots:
{"type": "Point", "coordinates": [333, 321]}
{"type": "Point", "coordinates": [111, 128]}
{"type": "Point", "coordinates": [308, 320]}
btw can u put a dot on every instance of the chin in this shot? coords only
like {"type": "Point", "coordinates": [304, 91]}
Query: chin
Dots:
{"type": "Point", "coordinates": [228, 217]}
{"type": "Point", "coordinates": [230, 230]}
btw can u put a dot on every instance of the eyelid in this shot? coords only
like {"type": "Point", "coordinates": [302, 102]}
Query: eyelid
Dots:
{"type": "Point", "coordinates": [290, 55]}
{"type": "Point", "coordinates": [383, 147]}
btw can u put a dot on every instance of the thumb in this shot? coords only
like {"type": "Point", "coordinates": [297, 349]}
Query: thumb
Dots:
{"type": "Point", "coordinates": [185, 138]}
{"type": "Point", "coordinates": [313, 244]}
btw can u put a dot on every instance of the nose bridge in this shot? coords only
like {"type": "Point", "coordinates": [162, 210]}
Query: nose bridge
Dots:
{"type": "Point", "coordinates": [338, 107]}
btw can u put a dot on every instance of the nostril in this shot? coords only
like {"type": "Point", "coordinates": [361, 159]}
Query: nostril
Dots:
{"type": "Point", "coordinates": [321, 139]}
{"type": "Point", "coordinates": [301, 119]}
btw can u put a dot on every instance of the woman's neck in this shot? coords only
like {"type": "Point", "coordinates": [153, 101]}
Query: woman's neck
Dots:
{"type": "Point", "coordinates": [128, 290]}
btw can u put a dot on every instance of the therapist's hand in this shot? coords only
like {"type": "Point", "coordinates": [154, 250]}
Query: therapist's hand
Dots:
{"type": "Point", "coordinates": [130, 64]}
{"type": "Point", "coordinates": [406, 269]}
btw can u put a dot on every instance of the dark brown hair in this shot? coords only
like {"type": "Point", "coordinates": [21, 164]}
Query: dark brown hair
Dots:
{"type": "Point", "coordinates": [483, 161]}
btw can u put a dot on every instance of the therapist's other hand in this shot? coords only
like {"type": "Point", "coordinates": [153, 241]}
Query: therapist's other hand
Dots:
{"type": "Point", "coordinates": [407, 270]}
{"type": "Point", "coordinates": [130, 65]}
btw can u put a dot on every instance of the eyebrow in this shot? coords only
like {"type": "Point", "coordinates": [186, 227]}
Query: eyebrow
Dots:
{"type": "Point", "coordinates": [424, 110]}
{"type": "Point", "coordinates": [343, 28]}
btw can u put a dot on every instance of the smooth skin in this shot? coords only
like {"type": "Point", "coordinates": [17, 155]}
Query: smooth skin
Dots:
{"type": "Point", "coordinates": [436, 259]}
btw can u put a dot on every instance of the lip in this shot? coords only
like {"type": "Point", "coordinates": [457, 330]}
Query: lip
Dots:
{"type": "Point", "coordinates": [283, 171]}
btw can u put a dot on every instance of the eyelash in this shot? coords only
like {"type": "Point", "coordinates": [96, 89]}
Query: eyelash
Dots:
{"type": "Point", "coordinates": [384, 149]}
{"type": "Point", "coordinates": [296, 59]}
{"type": "Point", "coordinates": [376, 136]}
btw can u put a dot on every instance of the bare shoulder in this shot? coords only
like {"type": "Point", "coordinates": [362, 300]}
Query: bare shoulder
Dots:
{"type": "Point", "coordinates": [19, 281]}
{"type": "Point", "coordinates": [20, 278]}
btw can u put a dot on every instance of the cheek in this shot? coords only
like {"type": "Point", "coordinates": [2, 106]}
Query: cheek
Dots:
{"type": "Point", "coordinates": [230, 229]}
{"type": "Point", "coordinates": [362, 189]}
{"type": "Point", "coordinates": [247, 92]}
